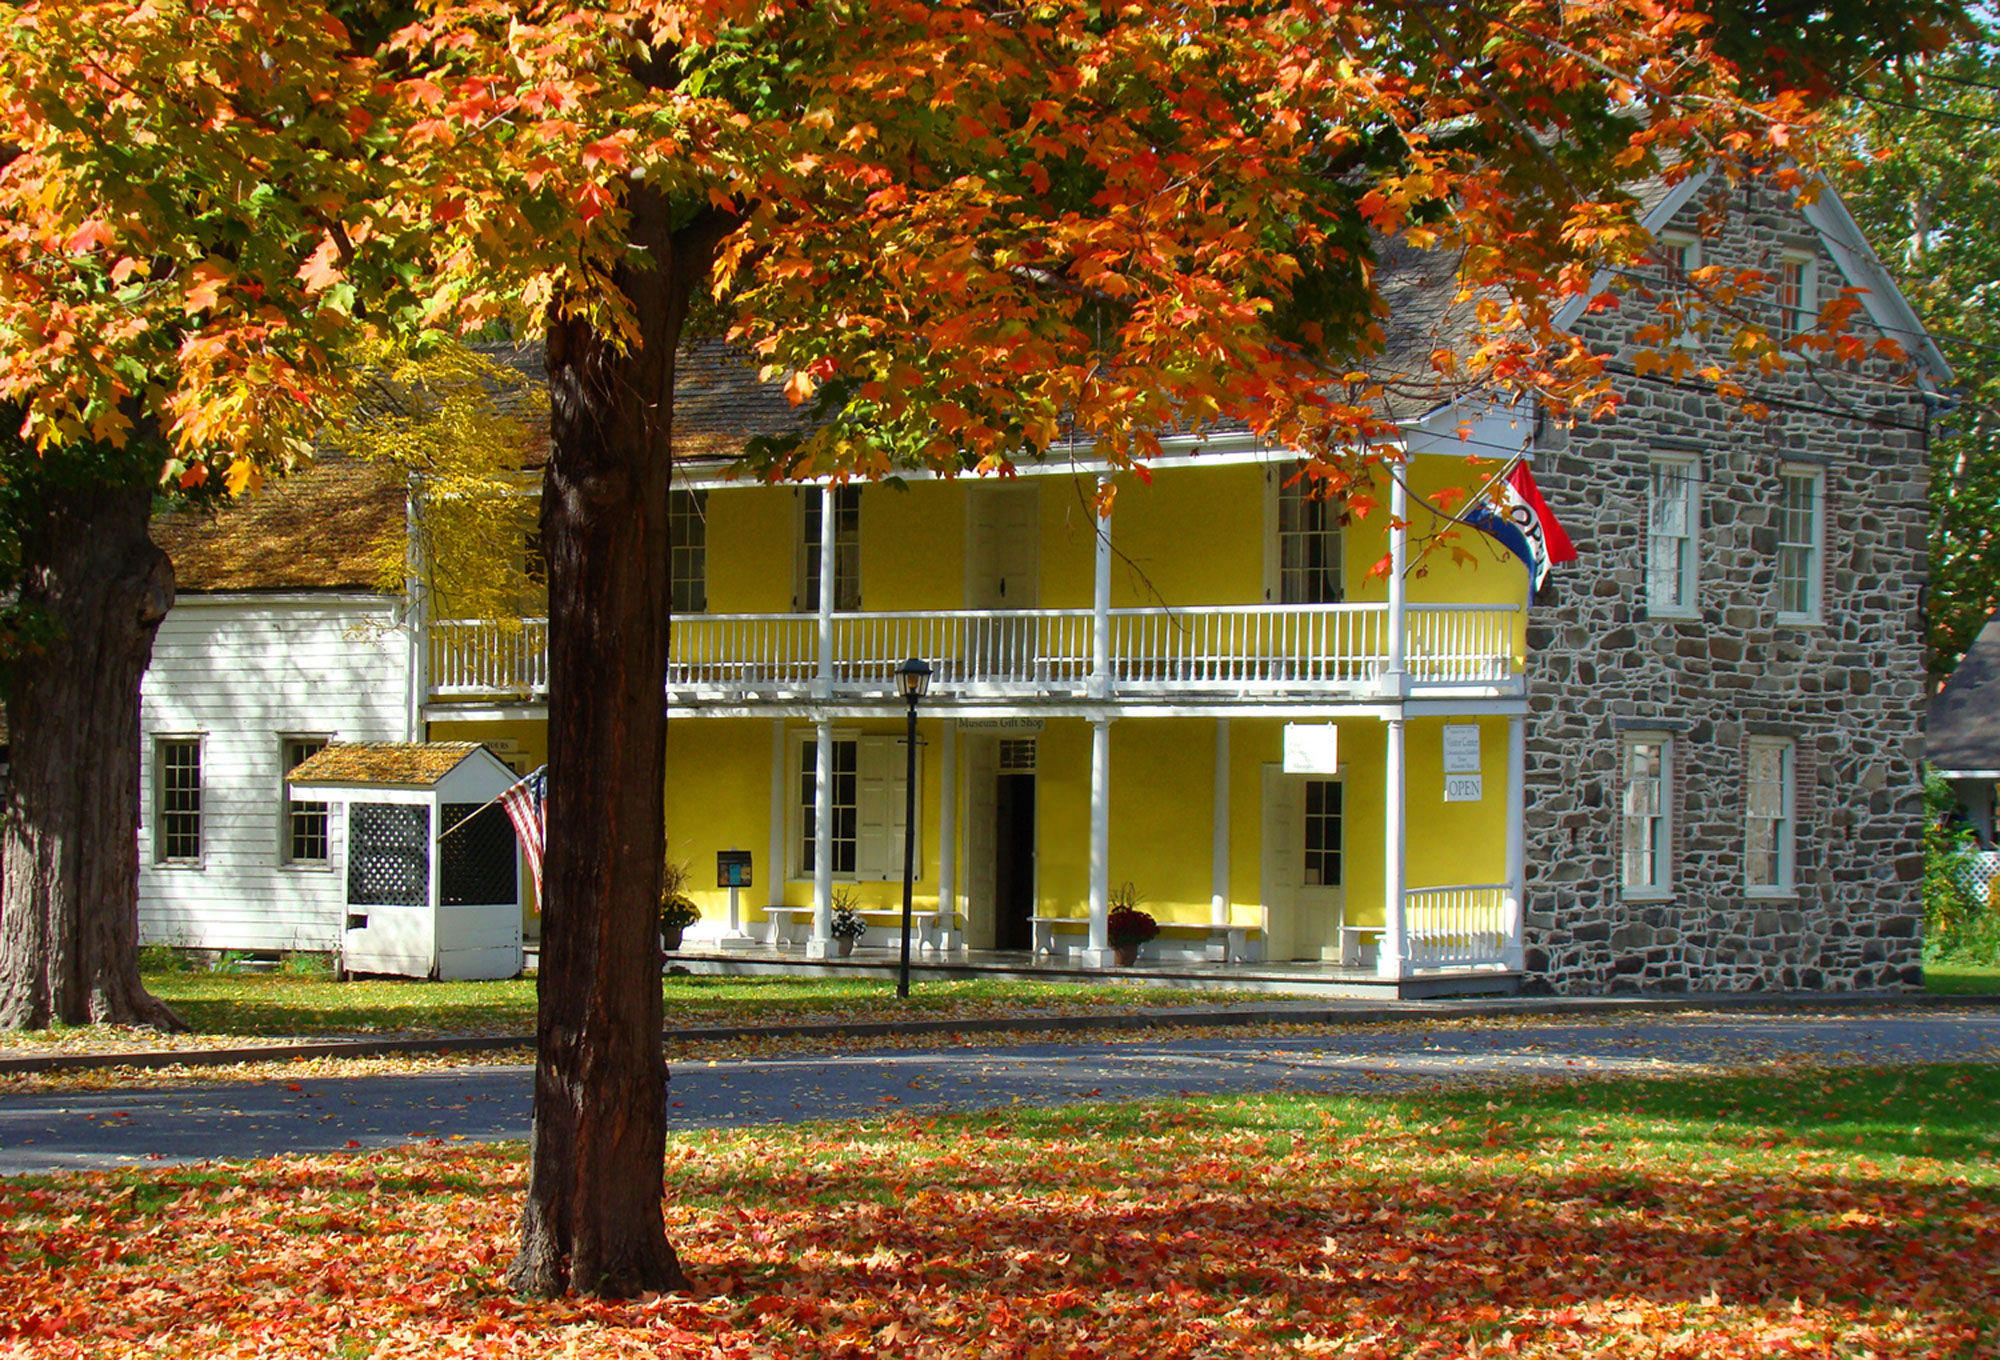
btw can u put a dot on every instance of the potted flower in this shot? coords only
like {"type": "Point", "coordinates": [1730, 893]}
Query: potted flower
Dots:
{"type": "Point", "coordinates": [847, 923]}
{"type": "Point", "coordinates": [677, 909]}
{"type": "Point", "coordinates": [1127, 926]}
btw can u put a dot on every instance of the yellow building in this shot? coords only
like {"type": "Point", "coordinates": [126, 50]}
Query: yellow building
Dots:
{"type": "Point", "coordinates": [1288, 737]}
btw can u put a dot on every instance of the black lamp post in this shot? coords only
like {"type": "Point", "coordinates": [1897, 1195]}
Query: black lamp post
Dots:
{"type": "Point", "coordinates": [913, 681]}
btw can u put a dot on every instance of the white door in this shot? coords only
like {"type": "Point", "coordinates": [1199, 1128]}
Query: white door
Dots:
{"type": "Point", "coordinates": [980, 811]}
{"type": "Point", "coordinates": [1304, 869]}
{"type": "Point", "coordinates": [1003, 531]}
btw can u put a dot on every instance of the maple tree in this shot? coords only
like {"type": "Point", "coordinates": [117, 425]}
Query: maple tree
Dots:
{"type": "Point", "coordinates": [964, 232]}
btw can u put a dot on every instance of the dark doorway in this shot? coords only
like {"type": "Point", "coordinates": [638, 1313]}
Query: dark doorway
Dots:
{"type": "Point", "coordinates": [1014, 862]}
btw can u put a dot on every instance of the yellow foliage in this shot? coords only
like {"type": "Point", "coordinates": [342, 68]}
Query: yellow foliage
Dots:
{"type": "Point", "coordinates": [458, 424]}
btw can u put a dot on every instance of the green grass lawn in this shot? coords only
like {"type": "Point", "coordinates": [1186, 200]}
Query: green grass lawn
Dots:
{"type": "Point", "coordinates": [1820, 1213]}
{"type": "Point", "coordinates": [1962, 979]}
{"type": "Point", "coordinates": [263, 1004]}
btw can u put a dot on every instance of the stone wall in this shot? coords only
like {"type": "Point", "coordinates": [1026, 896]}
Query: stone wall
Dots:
{"type": "Point", "coordinates": [1849, 692]}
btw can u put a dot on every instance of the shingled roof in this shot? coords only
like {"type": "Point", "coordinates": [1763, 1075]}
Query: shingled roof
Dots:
{"type": "Point", "coordinates": [416, 763]}
{"type": "Point", "coordinates": [1962, 733]}
{"type": "Point", "coordinates": [323, 528]}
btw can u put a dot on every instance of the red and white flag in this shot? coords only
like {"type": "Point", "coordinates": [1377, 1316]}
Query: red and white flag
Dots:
{"type": "Point", "coordinates": [524, 804]}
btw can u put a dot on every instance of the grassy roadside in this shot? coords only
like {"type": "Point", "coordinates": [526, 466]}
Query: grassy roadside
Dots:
{"type": "Point", "coordinates": [1841, 1213]}
{"type": "Point", "coordinates": [274, 1005]}
{"type": "Point", "coordinates": [1962, 979]}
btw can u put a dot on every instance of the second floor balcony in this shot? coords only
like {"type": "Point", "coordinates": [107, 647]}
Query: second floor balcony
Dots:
{"type": "Point", "coordinates": [1332, 653]}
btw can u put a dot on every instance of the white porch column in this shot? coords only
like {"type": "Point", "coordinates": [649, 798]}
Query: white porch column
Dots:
{"type": "Point", "coordinates": [774, 866]}
{"type": "Point", "coordinates": [1399, 560]}
{"type": "Point", "coordinates": [1218, 895]}
{"type": "Point", "coordinates": [1098, 954]}
{"type": "Point", "coordinates": [822, 931]}
{"type": "Point", "coordinates": [829, 534]}
{"type": "Point", "coordinates": [948, 833]}
{"type": "Point", "coordinates": [1393, 960]}
{"type": "Point", "coordinates": [1517, 829]}
{"type": "Point", "coordinates": [1100, 620]}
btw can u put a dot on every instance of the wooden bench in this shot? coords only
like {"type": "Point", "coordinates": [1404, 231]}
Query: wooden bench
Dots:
{"type": "Point", "coordinates": [1353, 939]}
{"type": "Point", "coordinates": [923, 923]}
{"type": "Point", "coordinates": [1232, 940]}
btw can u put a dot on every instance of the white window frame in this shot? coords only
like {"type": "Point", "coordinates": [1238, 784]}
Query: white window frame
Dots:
{"type": "Point", "coordinates": [1339, 823]}
{"type": "Point", "coordinates": [1659, 820]}
{"type": "Point", "coordinates": [1277, 494]}
{"type": "Point", "coordinates": [687, 534]}
{"type": "Point", "coordinates": [879, 791]}
{"type": "Point", "coordinates": [1685, 575]}
{"type": "Point", "coordinates": [287, 806]}
{"type": "Point", "coordinates": [1811, 547]}
{"type": "Point", "coordinates": [1680, 255]}
{"type": "Point", "coordinates": [1782, 821]}
{"type": "Point", "coordinates": [199, 741]}
{"type": "Point", "coordinates": [1797, 293]}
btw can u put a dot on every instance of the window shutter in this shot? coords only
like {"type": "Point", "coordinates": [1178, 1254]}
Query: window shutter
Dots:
{"type": "Point", "coordinates": [879, 851]}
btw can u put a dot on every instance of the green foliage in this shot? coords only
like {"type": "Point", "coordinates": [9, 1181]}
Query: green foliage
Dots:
{"type": "Point", "coordinates": [1956, 924]}
{"type": "Point", "coordinates": [1925, 187]}
{"type": "Point", "coordinates": [301, 963]}
{"type": "Point", "coordinates": [163, 958]}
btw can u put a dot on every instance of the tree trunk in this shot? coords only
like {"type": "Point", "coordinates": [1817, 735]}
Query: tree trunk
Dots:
{"type": "Point", "coordinates": [592, 1220]}
{"type": "Point", "coordinates": [69, 817]}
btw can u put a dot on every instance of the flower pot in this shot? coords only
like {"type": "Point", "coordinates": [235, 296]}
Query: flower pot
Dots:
{"type": "Point", "coordinates": [670, 938]}
{"type": "Point", "coordinates": [1125, 955]}
{"type": "Point", "coordinates": [846, 944]}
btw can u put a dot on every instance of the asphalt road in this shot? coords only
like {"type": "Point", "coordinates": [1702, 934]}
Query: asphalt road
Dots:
{"type": "Point", "coordinates": [145, 1126]}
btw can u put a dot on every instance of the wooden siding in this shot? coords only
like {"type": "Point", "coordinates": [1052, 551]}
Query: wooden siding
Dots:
{"type": "Point", "coordinates": [241, 673]}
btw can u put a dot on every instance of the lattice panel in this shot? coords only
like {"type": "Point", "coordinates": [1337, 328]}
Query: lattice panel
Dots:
{"type": "Point", "coordinates": [388, 855]}
{"type": "Point", "coordinates": [476, 861]}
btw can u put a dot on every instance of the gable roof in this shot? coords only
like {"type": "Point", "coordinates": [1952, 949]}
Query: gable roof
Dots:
{"type": "Point", "coordinates": [1962, 733]}
{"type": "Point", "coordinates": [325, 527]}
{"type": "Point", "coordinates": [417, 764]}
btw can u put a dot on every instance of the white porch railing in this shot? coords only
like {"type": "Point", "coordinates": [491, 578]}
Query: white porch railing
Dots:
{"type": "Point", "coordinates": [1466, 925]}
{"type": "Point", "coordinates": [1234, 648]}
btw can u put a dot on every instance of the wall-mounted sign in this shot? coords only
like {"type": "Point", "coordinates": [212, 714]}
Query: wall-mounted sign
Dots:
{"type": "Point", "coordinates": [1463, 788]}
{"type": "Point", "coordinates": [732, 868]}
{"type": "Point", "coordinates": [1001, 724]}
{"type": "Point", "coordinates": [1312, 748]}
{"type": "Point", "coordinates": [1461, 748]}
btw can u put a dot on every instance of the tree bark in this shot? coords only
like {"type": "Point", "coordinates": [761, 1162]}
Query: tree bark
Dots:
{"type": "Point", "coordinates": [593, 1216]}
{"type": "Point", "coordinates": [69, 816]}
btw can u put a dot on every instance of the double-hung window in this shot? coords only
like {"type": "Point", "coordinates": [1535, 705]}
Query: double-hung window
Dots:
{"type": "Point", "coordinates": [687, 532]}
{"type": "Point", "coordinates": [866, 828]}
{"type": "Point", "coordinates": [1309, 542]}
{"type": "Point", "coordinates": [1673, 527]}
{"type": "Point", "coordinates": [1646, 812]}
{"type": "Point", "coordinates": [305, 828]}
{"type": "Point", "coordinates": [1768, 823]}
{"type": "Point", "coordinates": [177, 800]}
{"type": "Point", "coordinates": [1798, 293]}
{"type": "Point", "coordinates": [1800, 535]}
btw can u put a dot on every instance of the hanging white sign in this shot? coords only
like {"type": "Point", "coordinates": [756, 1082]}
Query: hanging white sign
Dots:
{"type": "Point", "coordinates": [1461, 748]}
{"type": "Point", "coordinates": [1312, 748]}
{"type": "Point", "coordinates": [1002, 724]}
{"type": "Point", "coordinates": [1463, 788]}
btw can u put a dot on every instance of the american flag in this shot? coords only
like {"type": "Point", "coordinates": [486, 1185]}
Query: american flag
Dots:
{"type": "Point", "coordinates": [523, 805]}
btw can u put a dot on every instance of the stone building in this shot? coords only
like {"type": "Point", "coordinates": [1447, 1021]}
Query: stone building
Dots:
{"type": "Point", "coordinates": [1727, 688]}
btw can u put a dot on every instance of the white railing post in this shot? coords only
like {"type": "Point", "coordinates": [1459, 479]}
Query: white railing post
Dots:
{"type": "Point", "coordinates": [1397, 680]}
{"type": "Point", "coordinates": [1100, 625]}
{"type": "Point", "coordinates": [1393, 961]}
{"type": "Point", "coordinates": [829, 537]}
{"type": "Point", "coordinates": [1514, 942]}
{"type": "Point", "coordinates": [1218, 896]}
{"type": "Point", "coordinates": [822, 929]}
{"type": "Point", "coordinates": [1098, 954]}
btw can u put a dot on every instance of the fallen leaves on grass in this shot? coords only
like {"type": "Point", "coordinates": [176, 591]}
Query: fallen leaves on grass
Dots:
{"type": "Point", "coordinates": [1363, 1228]}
